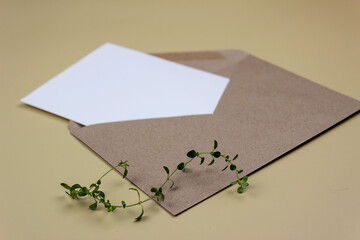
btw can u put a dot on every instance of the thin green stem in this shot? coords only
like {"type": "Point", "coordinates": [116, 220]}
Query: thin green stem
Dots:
{"type": "Point", "coordinates": [138, 203]}
{"type": "Point", "coordinates": [172, 173]}
{"type": "Point", "coordinates": [237, 175]}
{"type": "Point", "coordinates": [109, 171]}
{"type": "Point", "coordinates": [205, 153]}
{"type": "Point", "coordinates": [189, 161]}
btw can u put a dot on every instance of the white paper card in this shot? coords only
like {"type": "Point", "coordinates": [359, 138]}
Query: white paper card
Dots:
{"type": "Point", "coordinates": [114, 83]}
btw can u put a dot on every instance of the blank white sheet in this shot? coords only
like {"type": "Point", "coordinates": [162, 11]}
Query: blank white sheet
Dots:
{"type": "Point", "coordinates": [114, 83]}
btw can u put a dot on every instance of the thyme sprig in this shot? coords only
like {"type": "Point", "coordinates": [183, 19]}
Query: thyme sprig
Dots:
{"type": "Point", "coordinates": [77, 191]}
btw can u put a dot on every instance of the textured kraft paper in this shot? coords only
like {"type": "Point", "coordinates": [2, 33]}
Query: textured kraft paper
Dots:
{"type": "Point", "coordinates": [264, 113]}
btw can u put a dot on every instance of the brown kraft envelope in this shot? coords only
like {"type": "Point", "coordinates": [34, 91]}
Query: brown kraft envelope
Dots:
{"type": "Point", "coordinates": [264, 113]}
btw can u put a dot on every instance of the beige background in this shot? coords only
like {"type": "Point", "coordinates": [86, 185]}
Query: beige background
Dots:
{"type": "Point", "coordinates": [311, 193]}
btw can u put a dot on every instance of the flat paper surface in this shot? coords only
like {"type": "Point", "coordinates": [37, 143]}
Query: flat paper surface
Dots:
{"type": "Point", "coordinates": [264, 113]}
{"type": "Point", "coordinates": [114, 83]}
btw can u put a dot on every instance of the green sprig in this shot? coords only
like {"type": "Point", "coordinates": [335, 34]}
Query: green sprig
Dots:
{"type": "Point", "coordinates": [77, 191]}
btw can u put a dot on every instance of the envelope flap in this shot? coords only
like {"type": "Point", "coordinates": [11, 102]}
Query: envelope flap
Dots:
{"type": "Point", "coordinates": [218, 62]}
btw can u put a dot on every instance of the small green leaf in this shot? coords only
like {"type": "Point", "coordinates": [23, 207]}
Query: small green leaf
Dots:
{"type": "Point", "coordinates": [192, 154]}
{"type": "Point", "coordinates": [212, 161]}
{"type": "Point", "coordinates": [123, 203]}
{"type": "Point", "coordinates": [93, 206]}
{"type": "Point", "coordinates": [181, 166]}
{"type": "Point", "coordinates": [101, 194]}
{"type": "Point", "coordinates": [124, 163]}
{"type": "Point", "coordinates": [125, 172]}
{"type": "Point", "coordinates": [217, 154]}
{"type": "Point", "coordinates": [140, 216]}
{"type": "Point", "coordinates": [236, 156]}
{"type": "Point", "coordinates": [172, 184]}
{"type": "Point", "coordinates": [245, 179]}
{"type": "Point", "coordinates": [65, 186]}
{"type": "Point", "coordinates": [244, 184]}
{"type": "Point", "coordinates": [75, 186]}
{"type": "Point", "coordinates": [162, 197]}
{"type": "Point", "coordinates": [85, 190]}
{"type": "Point", "coordinates": [153, 189]}
{"type": "Point", "coordinates": [98, 182]}
{"type": "Point", "coordinates": [234, 182]}
{"type": "Point", "coordinates": [81, 193]}
{"type": "Point", "coordinates": [240, 190]}
{"type": "Point", "coordinates": [202, 160]}
{"type": "Point", "coordinates": [232, 167]}
{"type": "Point", "coordinates": [92, 185]}
{"type": "Point", "coordinates": [215, 144]}
{"type": "Point", "coordinates": [166, 170]}
{"type": "Point", "coordinates": [73, 194]}
{"type": "Point", "coordinates": [239, 171]}
{"type": "Point", "coordinates": [225, 168]}
{"type": "Point", "coordinates": [111, 208]}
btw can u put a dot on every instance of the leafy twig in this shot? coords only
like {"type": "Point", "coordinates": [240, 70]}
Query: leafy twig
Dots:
{"type": "Point", "coordinates": [76, 191]}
